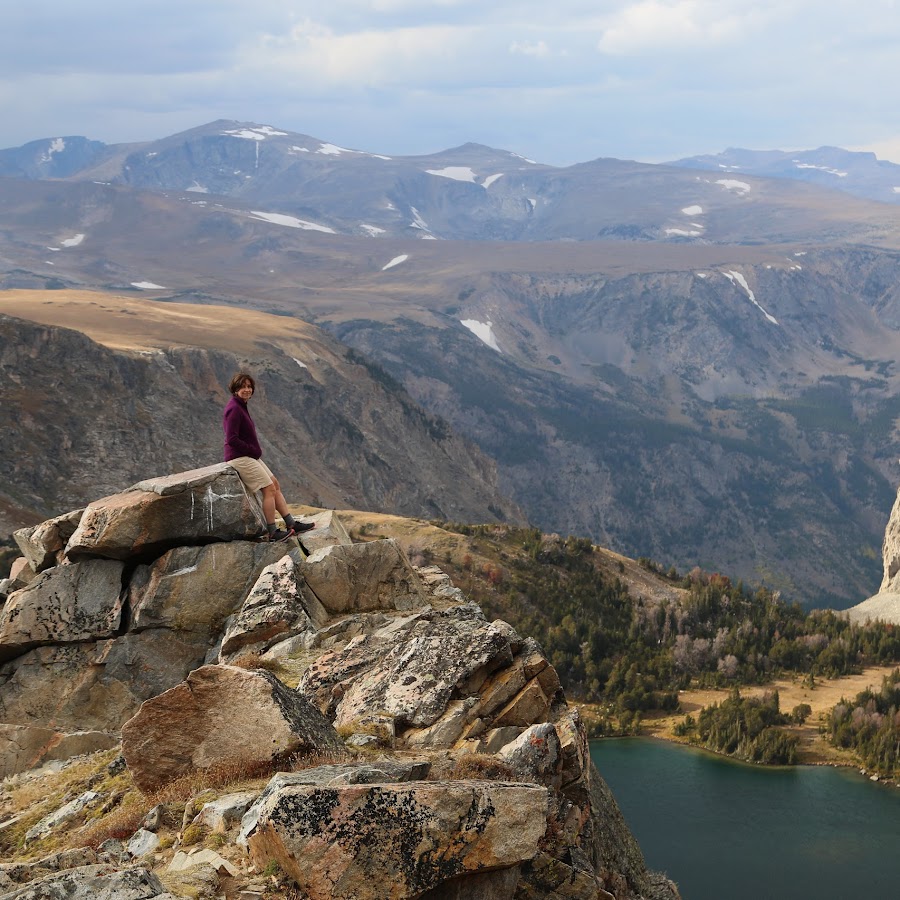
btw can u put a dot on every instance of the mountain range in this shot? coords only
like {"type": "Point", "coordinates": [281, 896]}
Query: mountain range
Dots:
{"type": "Point", "coordinates": [691, 362]}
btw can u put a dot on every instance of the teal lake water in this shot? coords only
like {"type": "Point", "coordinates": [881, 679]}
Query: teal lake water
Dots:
{"type": "Point", "coordinates": [729, 831]}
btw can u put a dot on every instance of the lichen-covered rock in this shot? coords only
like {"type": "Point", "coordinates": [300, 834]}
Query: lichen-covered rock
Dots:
{"type": "Point", "coordinates": [440, 657]}
{"type": "Point", "coordinates": [376, 575]}
{"type": "Point", "coordinates": [221, 715]}
{"type": "Point", "coordinates": [63, 605]}
{"type": "Point", "coordinates": [196, 589]}
{"type": "Point", "coordinates": [195, 507]}
{"type": "Point", "coordinates": [59, 816]}
{"type": "Point", "coordinates": [43, 544]}
{"type": "Point", "coordinates": [337, 775]}
{"type": "Point", "coordinates": [369, 842]}
{"type": "Point", "coordinates": [278, 607]}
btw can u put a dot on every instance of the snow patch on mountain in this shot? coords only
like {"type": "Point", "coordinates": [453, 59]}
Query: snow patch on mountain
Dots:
{"type": "Point", "coordinates": [57, 145]}
{"type": "Point", "coordinates": [197, 188]}
{"type": "Point", "coordinates": [395, 262]}
{"type": "Point", "coordinates": [737, 277]}
{"type": "Point", "coordinates": [147, 286]}
{"type": "Point", "coordinates": [741, 187]}
{"type": "Point", "coordinates": [334, 150]}
{"type": "Point", "coordinates": [490, 180]}
{"type": "Point", "coordinates": [290, 221]}
{"type": "Point", "coordinates": [801, 165]}
{"type": "Point", "coordinates": [371, 229]}
{"type": "Point", "coordinates": [73, 241]}
{"type": "Point", "coordinates": [683, 232]}
{"type": "Point", "coordinates": [302, 365]}
{"type": "Point", "coordinates": [693, 210]}
{"type": "Point", "coordinates": [418, 221]}
{"type": "Point", "coordinates": [483, 331]}
{"type": "Point", "coordinates": [257, 133]}
{"type": "Point", "coordinates": [457, 173]}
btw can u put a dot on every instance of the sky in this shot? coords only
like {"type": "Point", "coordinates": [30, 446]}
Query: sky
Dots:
{"type": "Point", "coordinates": [560, 83]}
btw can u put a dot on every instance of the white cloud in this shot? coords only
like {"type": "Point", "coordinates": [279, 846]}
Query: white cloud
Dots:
{"type": "Point", "coordinates": [680, 24]}
{"type": "Point", "coordinates": [528, 48]}
{"type": "Point", "coordinates": [670, 78]}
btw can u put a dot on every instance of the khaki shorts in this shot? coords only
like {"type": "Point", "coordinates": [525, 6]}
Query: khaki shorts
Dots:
{"type": "Point", "coordinates": [254, 472]}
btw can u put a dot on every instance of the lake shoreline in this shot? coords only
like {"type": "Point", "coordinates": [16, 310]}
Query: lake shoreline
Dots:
{"type": "Point", "coordinates": [813, 748]}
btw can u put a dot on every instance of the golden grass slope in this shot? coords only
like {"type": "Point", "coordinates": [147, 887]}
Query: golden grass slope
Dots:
{"type": "Point", "coordinates": [127, 323]}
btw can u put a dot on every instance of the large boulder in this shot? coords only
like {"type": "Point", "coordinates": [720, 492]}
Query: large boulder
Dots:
{"type": "Point", "coordinates": [196, 589]}
{"type": "Point", "coordinates": [196, 507]}
{"type": "Point", "coordinates": [221, 715]}
{"type": "Point", "coordinates": [43, 544]}
{"type": "Point", "coordinates": [278, 607]}
{"type": "Point", "coordinates": [369, 842]}
{"type": "Point", "coordinates": [63, 605]}
{"type": "Point", "coordinates": [377, 575]}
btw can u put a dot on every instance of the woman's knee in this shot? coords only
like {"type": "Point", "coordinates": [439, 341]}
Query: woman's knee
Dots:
{"type": "Point", "coordinates": [270, 489]}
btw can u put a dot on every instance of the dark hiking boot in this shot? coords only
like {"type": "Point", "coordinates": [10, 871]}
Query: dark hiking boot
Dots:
{"type": "Point", "coordinates": [300, 527]}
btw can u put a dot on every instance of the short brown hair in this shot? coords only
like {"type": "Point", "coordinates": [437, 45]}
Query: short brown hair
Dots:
{"type": "Point", "coordinates": [239, 381]}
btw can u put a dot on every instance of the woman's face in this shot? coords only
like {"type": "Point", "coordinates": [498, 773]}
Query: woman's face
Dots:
{"type": "Point", "coordinates": [245, 391]}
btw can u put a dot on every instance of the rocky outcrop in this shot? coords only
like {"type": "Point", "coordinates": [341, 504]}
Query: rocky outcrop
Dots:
{"type": "Point", "coordinates": [106, 624]}
{"type": "Point", "coordinates": [885, 605]}
{"type": "Point", "coordinates": [483, 787]}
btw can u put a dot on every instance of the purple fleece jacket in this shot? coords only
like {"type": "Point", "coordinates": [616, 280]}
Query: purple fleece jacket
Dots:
{"type": "Point", "coordinates": [240, 432]}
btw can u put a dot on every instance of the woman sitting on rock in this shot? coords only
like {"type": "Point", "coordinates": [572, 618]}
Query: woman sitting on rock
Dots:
{"type": "Point", "coordinates": [243, 453]}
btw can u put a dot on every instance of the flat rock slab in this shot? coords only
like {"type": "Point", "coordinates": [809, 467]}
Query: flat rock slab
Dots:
{"type": "Point", "coordinates": [195, 507]}
{"type": "Point", "coordinates": [24, 747]}
{"type": "Point", "coordinates": [221, 715]}
{"type": "Point", "coordinates": [370, 842]}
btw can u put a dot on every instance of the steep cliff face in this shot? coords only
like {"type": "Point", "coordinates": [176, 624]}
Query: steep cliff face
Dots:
{"type": "Point", "coordinates": [82, 420]}
{"type": "Point", "coordinates": [737, 417]}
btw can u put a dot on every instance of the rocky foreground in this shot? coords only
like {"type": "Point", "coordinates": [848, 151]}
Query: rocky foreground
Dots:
{"type": "Point", "coordinates": [411, 748]}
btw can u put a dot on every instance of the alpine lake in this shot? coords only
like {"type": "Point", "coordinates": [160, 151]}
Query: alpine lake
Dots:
{"type": "Point", "coordinates": [725, 830]}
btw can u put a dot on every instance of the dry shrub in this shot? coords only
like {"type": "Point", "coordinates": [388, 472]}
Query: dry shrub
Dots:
{"type": "Point", "coordinates": [119, 825]}
{"type": "Point", "coordinates": [230, 775]}
{"type": "Point", "coordinates": [255, 661]}
{"type": "Point", "coordinates": [478, 766]}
